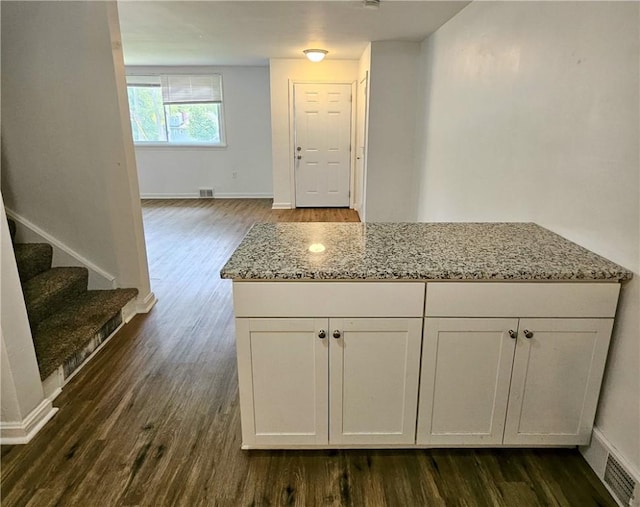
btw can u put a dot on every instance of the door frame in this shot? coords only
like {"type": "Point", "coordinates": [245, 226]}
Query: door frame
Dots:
{"type": "Point", "coordinates": [361, 205]}
{"type": "Point", "coordinates": [292, 135]}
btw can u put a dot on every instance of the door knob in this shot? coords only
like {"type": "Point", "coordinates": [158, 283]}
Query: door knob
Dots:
{"type": "Point", "coordinates": [528, 334]}
{"type": "Point", "coordinates": [322, 334]}
{"type": "Point", "coordinates": [337, 334]}
{"type": "Point", "coordinates": [513, 334]}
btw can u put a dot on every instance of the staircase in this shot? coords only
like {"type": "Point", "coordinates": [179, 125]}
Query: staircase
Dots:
{"type": "Point", "coordinates": [68, 322]}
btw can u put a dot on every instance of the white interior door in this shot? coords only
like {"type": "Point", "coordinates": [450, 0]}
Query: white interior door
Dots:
{"type": "Point", "coordinates": [322, 152]}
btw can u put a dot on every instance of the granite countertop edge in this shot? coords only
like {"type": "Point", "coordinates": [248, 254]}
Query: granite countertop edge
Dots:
{"type": "Point", "coordinates": [323, 277]}
{"type": "Point", "coordinates": [342, 277]}
{"type": "Point", "coordinates": [261, 257]}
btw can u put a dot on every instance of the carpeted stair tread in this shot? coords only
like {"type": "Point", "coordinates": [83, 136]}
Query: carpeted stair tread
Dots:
{"type": "Point", "coordinates": [61, 335]}
{"type": "Point", "coordinates": [50, 291]}
{"type": "Point", "coordinates": [32, 259]}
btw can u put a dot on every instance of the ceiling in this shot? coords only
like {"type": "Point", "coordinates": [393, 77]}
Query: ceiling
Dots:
{"type": "Point", "coordinates": [250, 32]}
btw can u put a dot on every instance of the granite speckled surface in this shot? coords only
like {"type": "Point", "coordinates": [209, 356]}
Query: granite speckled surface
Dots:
{"type": "Point", "coordinates": [414, 251]}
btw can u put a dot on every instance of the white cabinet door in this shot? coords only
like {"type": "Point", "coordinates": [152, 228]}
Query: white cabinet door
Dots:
{"type": "Point", "coordinates": [464, 386]}
{"type": "Point", "coordinates": [283, 377]}
{"type": "Point", "coordinates": [556, 380]}
{"type": "Point", "coordinates": [374, 367]}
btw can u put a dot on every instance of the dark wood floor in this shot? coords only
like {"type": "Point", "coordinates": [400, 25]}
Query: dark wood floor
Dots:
{"type": "Point", "coordinates": [154, 419]}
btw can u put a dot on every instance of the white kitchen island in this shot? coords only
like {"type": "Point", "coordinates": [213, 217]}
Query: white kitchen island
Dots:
{"type": "Point", "coordinates": [419, 335]}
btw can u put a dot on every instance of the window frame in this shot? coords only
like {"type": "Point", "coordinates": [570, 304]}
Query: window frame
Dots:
{"type": "Point", "coordinates": [150, 79]}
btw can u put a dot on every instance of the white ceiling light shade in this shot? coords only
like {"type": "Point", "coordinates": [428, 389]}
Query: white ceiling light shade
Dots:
{"type": "Point", "coordinates": [315, 55]}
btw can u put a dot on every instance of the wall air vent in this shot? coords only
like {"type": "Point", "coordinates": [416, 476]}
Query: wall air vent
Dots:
{"type": "Point", "coordinates": [206, 192]}
{"type": "Point", "coordinates": [620, 481]}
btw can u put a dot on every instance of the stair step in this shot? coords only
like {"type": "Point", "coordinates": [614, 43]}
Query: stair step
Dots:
{"type": "Point", "coordinates": [48, 292]}
{"type": "Point", "coordinates": [69, 336]}
{"type": "Point", "coordinates": [32, 259]}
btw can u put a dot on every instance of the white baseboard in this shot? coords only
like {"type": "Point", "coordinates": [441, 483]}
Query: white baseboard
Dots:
{"type": "Point", "coordinates": [21, 432]}
{"type": "Point", "coordinates": [63, 255]}
{"type": "Point", "coordinates": [191, 195]}
{"type": "Point", "coordinates": [144, 305]}
{"type": "Point", "coordinates": [52, 385]}
{"type": "Point", "coordinates": [130, 310]}
{"type": "Point", "coordinates": [596, 454]}
{"type": "Point", "coordinates": [222, 195]}
{"type": "Point", "coordinates": [281, 205]}
{"type": "Point", "coordinates": [358, 209]}
{"type": "Point", "coordinates": [231, 195]}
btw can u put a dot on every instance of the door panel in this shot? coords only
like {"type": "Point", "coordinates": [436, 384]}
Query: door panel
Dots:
{"type": "Point", "coordinates": [374, 380]}
{"type": "Point", "coordinates": [322, 124]}
{"type": "Point", "coordinates": [466, 367]}
{"type": "Point", "coordinates": [556, 380]}
{"type": "Point", "coordinates": [283, 380]}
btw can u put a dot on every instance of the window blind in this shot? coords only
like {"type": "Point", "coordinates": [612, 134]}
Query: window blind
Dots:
{"type": "Point", "coordinates": [143, 80]}
{"type": "Point", "coordinates": [181, 89]}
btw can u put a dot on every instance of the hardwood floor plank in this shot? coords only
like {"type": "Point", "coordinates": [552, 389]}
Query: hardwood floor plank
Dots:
{"type": "Point", "coordinates": [154, 420]}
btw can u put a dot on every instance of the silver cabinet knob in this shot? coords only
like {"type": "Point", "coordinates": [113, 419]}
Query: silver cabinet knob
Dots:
{"type": "Point", "coordinates": [528, 334]}
{"type": "Point", "coordinates": [322, 334]}
{"type": "Point", "coordinates": [337, 334]}
{"type": "Point", "coordinates": [513, 334]}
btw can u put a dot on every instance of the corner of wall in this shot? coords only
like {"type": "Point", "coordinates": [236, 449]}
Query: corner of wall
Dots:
{"type": "Point", "coordinates": [596, 455]}
{"type": "Point", "coordinates": [23, 408]}
{"type": "Point", "coordinates": [22, 432]}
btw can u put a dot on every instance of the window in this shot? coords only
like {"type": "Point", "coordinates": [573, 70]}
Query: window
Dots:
{"type": "Point", "coordinates": [176, 109]}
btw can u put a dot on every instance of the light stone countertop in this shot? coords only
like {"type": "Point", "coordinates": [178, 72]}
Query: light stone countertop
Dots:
{"type": "Point", "coordinates": [414, 251]}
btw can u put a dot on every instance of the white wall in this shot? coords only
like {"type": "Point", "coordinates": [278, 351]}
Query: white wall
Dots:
{"type": "Point", "coordinates": [532, 114]}
{"type": "Point", "coordinates": [391, 151]}
{"type": "Point", "coordinates": [181, 172]}
{"type": "Point", "coordinates": [283, 71]}
{"type": "Point", "coordinates": [68, 159]}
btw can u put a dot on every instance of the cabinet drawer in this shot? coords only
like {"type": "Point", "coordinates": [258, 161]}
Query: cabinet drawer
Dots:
{"type": "Point", "coordinates": [328, 299]}
{"type": "Point", "coordinates": [478, 299]}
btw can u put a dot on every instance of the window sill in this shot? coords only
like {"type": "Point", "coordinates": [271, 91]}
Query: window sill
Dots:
{"type": "Point", "coordinates": [165, 146]}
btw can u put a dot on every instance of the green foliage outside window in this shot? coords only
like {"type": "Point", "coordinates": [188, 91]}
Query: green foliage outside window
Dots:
{"type": "Point", "coordinates": [147, 118]}
{"type": "Point", "coordinates": [194, 123]}
{"type": "Point", "coordinates": [154, 122]}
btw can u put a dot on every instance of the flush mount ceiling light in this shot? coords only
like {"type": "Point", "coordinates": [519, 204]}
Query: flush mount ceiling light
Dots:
{"type": "Point", "coordinates": [315, 55]}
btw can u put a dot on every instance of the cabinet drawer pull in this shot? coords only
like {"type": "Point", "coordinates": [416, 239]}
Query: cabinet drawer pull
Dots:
{"type": "Point", "coordinates": [513, 334]}
{"type": "Point", "coordinates": [322, 334]}
{"type": "Point", "coordinates": [337, 334]}
{"type": "Point", "coordinates": [528, 334]}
